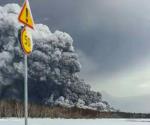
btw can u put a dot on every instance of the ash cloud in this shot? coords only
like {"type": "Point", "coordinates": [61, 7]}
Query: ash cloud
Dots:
{"type": "Point", "coordinates": [53, 66]}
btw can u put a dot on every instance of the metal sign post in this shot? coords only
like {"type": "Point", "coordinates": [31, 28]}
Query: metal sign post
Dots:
{"type": "Point", "coordinates": [25, 17]}
{"type": "Point", "coordinates": [26, 89]}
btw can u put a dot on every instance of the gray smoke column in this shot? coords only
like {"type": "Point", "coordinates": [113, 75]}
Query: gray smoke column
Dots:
{"type": "Point", "coordinates": [53, 66]}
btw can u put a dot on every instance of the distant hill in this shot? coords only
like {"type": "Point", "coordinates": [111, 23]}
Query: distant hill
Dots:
{"type": "Point", "coordinates": [138, 104]}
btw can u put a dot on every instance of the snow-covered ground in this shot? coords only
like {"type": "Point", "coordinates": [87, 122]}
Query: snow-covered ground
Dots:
{"type": "Point", "coordinates": [13, 121]}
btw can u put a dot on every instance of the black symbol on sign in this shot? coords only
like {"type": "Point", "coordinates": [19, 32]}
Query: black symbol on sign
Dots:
{"type": "Point", "coordinates": [27, 13]}
{"type": "Point", "coordinates": [27, 41]}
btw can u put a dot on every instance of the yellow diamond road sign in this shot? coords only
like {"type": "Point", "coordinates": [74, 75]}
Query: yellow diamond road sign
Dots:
{"type": "Point", "coordinates": [25, 15]}
{"type": "Point", "coordinates": [26, 41]}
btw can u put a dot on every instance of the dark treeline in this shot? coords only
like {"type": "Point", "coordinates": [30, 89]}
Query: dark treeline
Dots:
{"type": "Point", "coordinates": [16, 109]}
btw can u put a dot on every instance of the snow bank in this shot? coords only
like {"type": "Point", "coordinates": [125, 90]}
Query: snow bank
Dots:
{"type": "Point", "coordinates": [76, 122]}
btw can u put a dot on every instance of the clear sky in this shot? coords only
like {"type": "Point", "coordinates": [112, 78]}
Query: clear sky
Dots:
{"type": "Point", "coordinates": [112, 38]}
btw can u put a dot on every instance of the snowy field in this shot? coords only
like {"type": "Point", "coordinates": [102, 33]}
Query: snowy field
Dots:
{"type": "Point", "coordinates": [76, 122]}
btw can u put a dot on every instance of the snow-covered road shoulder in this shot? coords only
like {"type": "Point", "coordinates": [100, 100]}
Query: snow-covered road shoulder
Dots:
{"type": "Point", "coordinates": [13, 121]}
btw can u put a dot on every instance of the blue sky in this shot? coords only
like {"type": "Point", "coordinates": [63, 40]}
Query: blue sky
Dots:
{"type": "Point", "coordinates": [112, 39]}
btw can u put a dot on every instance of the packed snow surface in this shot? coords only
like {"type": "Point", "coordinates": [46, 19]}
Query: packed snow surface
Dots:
{"type": "Point", "coordinates": [76, 122]}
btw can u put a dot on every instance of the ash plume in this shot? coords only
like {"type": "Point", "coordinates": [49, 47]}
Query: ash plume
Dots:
{"type": "Point", "coordinates": [53, 67]}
